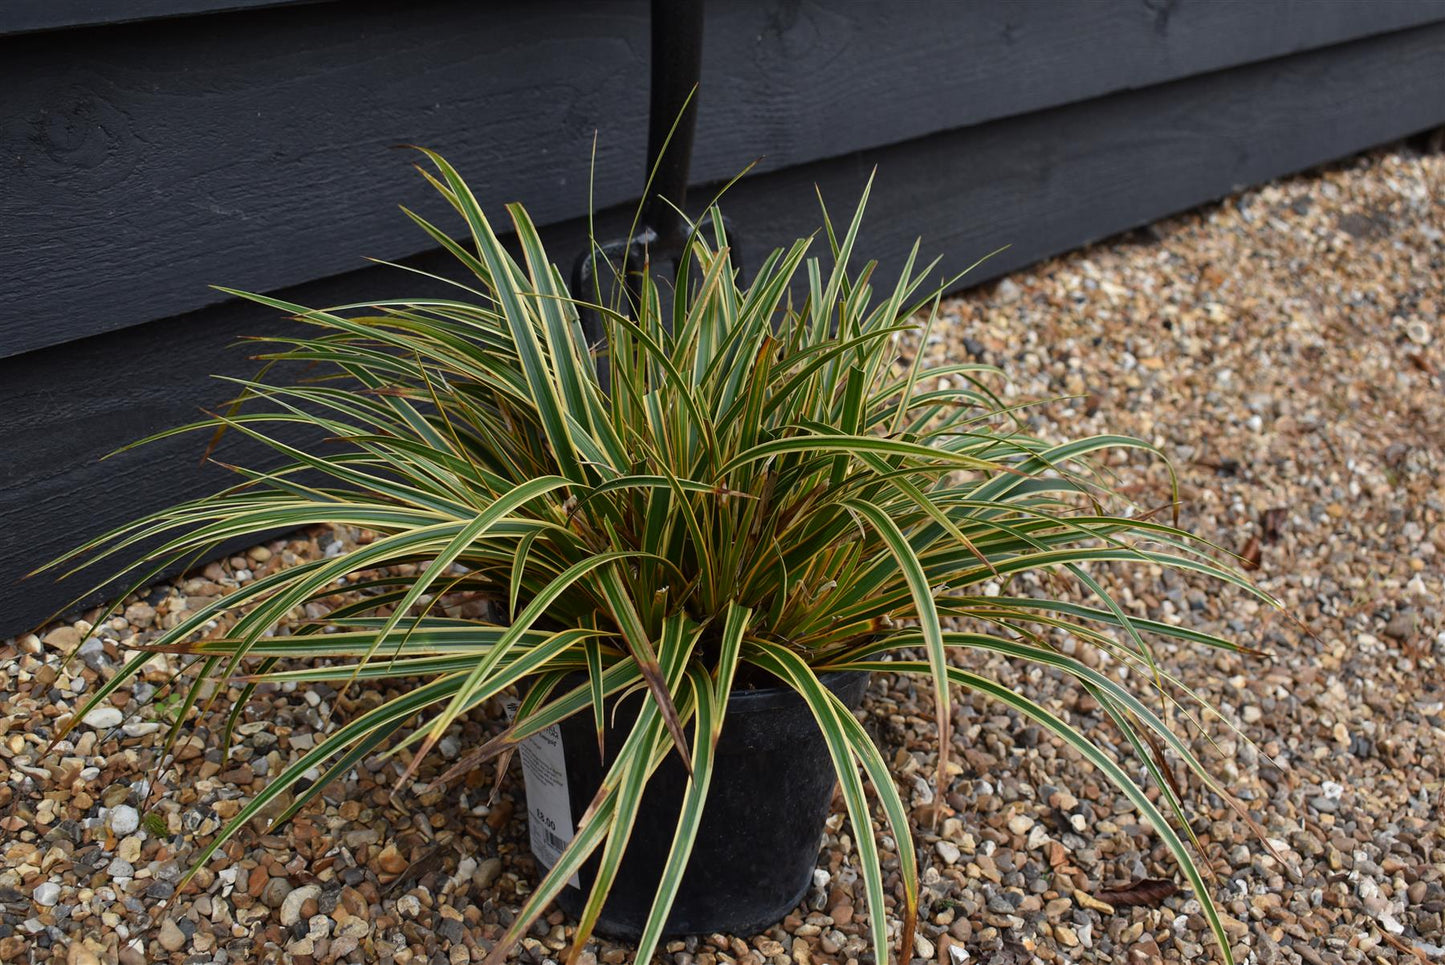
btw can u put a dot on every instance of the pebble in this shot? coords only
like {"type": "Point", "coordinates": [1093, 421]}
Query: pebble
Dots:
{"type": "Point", "coordinates": [486, 873]}
{"type": "Point", "coordinates": [170, 936]}
{"type": "Point", "coordinates": [46, 894]}
{"type": "Point", "coordinates": [140, 614]}
{"type": "Point", "coordinates": [392, 861]}
{"type": "Point", "coordinates": [275, 892]}
{"type": "Point", "coordinates": [1402, 625]}
{"type": "Point", "coordinates": [290, 912]}
{"type": "Point", "coordinates": [123, 819]}
{"type": "Point", "coordinates": [79, 954]}
{"type": "Point", "coordinates": [129, 849]}
{"type": "Point", "coordinates": [103, 718]}
{"type": "Point", "coordinates": [63, 639]}
{"type": "Point", "coordinates": [1020, 823]}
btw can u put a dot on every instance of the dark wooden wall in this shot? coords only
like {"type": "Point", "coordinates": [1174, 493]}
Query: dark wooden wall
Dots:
{"type": "Point", "coordinates": [248, 144]}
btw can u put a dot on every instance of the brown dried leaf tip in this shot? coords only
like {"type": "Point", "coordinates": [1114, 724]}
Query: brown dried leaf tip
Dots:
{"type": "Point", "coordinates": [1251, 555]}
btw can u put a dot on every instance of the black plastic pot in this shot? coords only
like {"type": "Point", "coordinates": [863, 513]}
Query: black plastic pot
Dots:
{"type": "Point", "coordinates": [761, 827]}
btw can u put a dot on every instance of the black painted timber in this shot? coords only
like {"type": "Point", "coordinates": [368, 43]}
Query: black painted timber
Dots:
{"type": "Point", "coordinates": [29, 16]}
{"type": "Point", "coordinates": [141, 162]}
{"type": "Point", "coordinates": [1043, 181]}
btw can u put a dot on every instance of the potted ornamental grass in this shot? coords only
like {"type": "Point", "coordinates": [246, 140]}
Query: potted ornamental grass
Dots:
{"type": "Point", "coordinates": [692, 563]}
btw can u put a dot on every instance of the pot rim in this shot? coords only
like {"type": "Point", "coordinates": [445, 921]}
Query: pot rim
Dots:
{"type": "Point", "coordinates": [758, 699]}
{"type": "Point", "coordinates": [753, 700]}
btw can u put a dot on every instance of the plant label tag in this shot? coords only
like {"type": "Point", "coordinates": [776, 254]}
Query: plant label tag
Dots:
{"type": "Point", "coordinates": [549, 810]}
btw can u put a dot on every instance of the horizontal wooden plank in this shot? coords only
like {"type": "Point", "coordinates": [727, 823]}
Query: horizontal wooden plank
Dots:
{"type": "Point", "coordinates": [1044, 183]}
{"type": "Point", "coordinates": [143, 162]}
{"type": "Point", "coordinates": [63, 409]}
{"type": "Point", "coordinates": [1055, 180]}
{"type": "Point", "coordinates": [29, 16]}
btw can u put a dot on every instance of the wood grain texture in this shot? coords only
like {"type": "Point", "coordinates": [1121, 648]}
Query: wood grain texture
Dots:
{"type": "Point", "coordinates": [1044, 183]}
{"type": "Point", "coordinates": [63, 409]}
{"type": "Point", "coordinates": [29, 16]}
{"type": "Point", "coordinates": [1054, 180]}
{"type": "Point", "coordinates": [141, 162]}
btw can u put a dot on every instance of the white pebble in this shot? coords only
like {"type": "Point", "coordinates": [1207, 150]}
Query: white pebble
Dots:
{"type": "Point", "coordinates": [123, 819]}
{"type": "Point", "coordinates": [466, 867]}
{"type": "Point", "coordinates": [46, 894]}
{"type": "Point", "coordinates": [103, 718]}
{"type": "Point", "coordinates": [291, 904]}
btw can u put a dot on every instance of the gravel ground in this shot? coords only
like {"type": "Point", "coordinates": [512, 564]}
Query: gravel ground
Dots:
{"type": "Point", "coordinates": [1284, 346]}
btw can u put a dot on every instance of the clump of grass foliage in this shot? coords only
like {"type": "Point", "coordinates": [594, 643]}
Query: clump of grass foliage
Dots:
{"type": "Point", "coordinates": [764, 489]}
